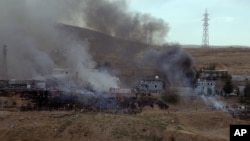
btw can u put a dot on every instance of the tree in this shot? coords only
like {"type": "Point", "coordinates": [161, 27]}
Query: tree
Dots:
{"type": "Point", "coordinates": [212, 67]}
{"type": "Point", "coordinates": [228, 87]}
{"type": "Point", "coordinates": [209, 91]}
{"type": "Point", "coordinates": [247, 90]}
{"type": "Point", "coordinates": [171, 96]}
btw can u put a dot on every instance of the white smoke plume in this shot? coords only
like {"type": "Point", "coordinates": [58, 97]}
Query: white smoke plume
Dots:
{"type": "Point", "coordinates": [79, 59]}
{"type": "Point", "coordinates": [214, 102]}
{"type": "Point", "coordinates": [27, 27]}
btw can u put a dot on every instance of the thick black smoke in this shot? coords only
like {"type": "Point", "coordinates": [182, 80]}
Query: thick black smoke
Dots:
{"type": "Point", "coordinates": [27, 28]}
{"type": "Point", "coordinates": [172, 63]}
{"type": "Point", "coordinates": [113, 18]}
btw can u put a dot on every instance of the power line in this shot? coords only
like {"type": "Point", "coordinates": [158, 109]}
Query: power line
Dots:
{"type": "Point", "coordinates": [205, 37]}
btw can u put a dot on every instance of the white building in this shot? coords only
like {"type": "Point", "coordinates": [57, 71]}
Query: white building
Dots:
{"type": "Point", "coordinates": [151, 85]}
{"type": "Point", "coordinates": [206, 87]}
{"type": "Point", "coordinates": [241, 90]}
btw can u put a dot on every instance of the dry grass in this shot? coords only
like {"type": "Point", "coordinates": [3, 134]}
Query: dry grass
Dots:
{"type": "Point", "coordinates": [151, 125]}
{"type": "Point", "coordinates": [236, 60]}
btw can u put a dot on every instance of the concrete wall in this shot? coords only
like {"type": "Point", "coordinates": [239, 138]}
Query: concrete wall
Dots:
{"type": "Point", "coordinates": [206, 87]}
{"type": "Point", "coordinates": [151, 85]}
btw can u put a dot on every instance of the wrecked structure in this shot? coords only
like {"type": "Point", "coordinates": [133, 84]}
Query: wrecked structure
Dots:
{"type": "Point", "coordinates": [213, 74]}
{"type": "Point", "coordinates": [151, 86]}
{"type": "Point", "coordinates": [240, 111]}
{"type": "Point", "coordinates": [22, 84]}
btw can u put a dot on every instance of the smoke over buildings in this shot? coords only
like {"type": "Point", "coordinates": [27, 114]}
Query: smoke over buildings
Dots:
{"type": "Point", "coordinates": [173, 63]}
{"type": "Point", "coordinates": [28, 29]}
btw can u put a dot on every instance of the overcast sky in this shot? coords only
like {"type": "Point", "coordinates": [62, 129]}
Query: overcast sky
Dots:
{"type": "Point", "coordinates": [229, 19]}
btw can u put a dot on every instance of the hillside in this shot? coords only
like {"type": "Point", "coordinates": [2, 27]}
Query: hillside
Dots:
{"type": "Point", "coordinates": [235, 60]}
{"type": "Point", "coordinates": [120, 52]}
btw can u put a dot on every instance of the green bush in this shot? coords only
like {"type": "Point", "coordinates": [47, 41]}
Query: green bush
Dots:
{"type": "Point", "coordinates": [247, 90]}
{"type": "Point", "coordinates": [172, 138]}
{"type": "Point", "coordinates": [228, 86]}
{"type": "Point", "coordinates": [171, 96]}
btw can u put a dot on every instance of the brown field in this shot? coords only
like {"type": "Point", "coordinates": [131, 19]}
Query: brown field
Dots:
{"type": "Point", "coordinates": [235, 60]}
{"type": "Point", "coordinates": [183, 122]}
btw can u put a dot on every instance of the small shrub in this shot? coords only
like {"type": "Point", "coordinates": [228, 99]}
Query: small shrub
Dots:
{"type": "Point", "coordinates": [154, 138]}
{"type": "Point", "coordinates": [171, 96]}
{"type": "Point", "coordinates": [228, 86]}
{"type": "Point", "coordinates": [172, 138]}
{"type": "Point", "coordinates": [247, 90]}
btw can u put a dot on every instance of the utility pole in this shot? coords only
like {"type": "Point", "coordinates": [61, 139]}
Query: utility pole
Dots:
{"type": "Point", "coordinates": [205, 37]}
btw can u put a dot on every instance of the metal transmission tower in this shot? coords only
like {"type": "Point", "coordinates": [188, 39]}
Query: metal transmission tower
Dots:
{"type": "Point", "coordinates": [205, 37]}
{"type": "Point", "coordinates": [4, 63]}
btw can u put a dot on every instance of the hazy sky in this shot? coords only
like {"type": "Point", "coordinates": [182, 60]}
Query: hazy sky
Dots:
{"type": "Point", "coordinates": [229, 19]}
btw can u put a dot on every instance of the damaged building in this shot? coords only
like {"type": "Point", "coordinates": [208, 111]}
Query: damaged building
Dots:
{"type": "Point", "coordinates": [213, 74]}
{"type": "Point", "coordinates": [151, 85]}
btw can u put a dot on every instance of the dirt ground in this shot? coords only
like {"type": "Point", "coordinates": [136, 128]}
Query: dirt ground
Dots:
{"type": "Point", "coordinates": [183, 122]}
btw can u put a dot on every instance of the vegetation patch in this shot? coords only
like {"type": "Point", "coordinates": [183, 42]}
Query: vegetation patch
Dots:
{"type": "Point", "coordinates": [120, 132]}
{"type": "Point", "coordinates": [171, 96]}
